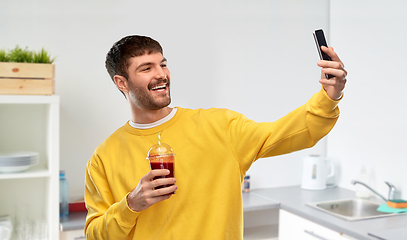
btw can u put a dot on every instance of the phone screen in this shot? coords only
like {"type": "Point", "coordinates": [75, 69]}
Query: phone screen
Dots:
{"type": "Point", "coordinates": [320, 40]}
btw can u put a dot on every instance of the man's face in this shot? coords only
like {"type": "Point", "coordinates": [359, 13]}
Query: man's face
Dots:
{"type": "Point", "coordinates": [149, 81]}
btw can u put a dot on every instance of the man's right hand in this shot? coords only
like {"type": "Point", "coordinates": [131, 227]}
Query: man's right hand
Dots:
{"type": "Point", "coordinates": [144, 195]}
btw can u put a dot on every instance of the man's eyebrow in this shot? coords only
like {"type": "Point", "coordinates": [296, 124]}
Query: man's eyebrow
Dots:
{"type": "Point", "coordinates": [144, 64]}
{"type": "Point", "coordinates": [149, 63]}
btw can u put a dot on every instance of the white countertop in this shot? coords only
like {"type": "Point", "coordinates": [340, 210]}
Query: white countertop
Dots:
{"type": "Point", "coordinates": [294, 199]}
{"type": "Point", "coordinates": [251, 202]}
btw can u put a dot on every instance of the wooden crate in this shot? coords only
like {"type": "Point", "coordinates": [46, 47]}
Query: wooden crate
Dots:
{"type": "Point", "coordinates": [27, 78]}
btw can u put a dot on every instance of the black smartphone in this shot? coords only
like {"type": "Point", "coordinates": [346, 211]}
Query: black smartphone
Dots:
{"type": "Point", "coordinates": [320, 40]}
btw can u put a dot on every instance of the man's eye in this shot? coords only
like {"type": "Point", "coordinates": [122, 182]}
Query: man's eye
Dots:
{"type": "Point", "coordinates": [163, 65]}
{"type": "Point", "coordinates": [145, 69]}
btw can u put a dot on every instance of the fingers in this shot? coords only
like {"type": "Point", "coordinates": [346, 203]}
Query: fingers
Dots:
{"type": "Point", "coordinates": [330, 64]}
{"type": "Point", "coordinates": [334, 67]}
{"type": "Point", "coordinates": [155, 173]}
{"type": "Point", "coordinates": [333, 82]}
{"type": "Point", "coordinates": [162, 182]}
{"type": "Point", "coordinates": [146, 194]}
{"type": "Point", "coordinates": [334, 86]}
{"type": "Point", "coordinates": [154, 179]}
{"type": "Point", "coordinates": [339, 73]}
{"type": "Point", "coordinates": [331, 53]}
{"type": "Point", "coordinates": [167, 189]}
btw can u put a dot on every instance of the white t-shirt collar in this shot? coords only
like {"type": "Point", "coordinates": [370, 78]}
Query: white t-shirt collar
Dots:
{"type": "Point", "coordinates": [154, 124]}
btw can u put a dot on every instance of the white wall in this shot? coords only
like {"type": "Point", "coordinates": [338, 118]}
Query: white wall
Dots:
{"type": "Point", "coordinates": [371, 38]}
{"type": "Point", "coordinates": [255, 57]}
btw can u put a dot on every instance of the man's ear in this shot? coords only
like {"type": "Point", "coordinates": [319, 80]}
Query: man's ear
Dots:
{"type": "Point", "coordinates": [121, 83]}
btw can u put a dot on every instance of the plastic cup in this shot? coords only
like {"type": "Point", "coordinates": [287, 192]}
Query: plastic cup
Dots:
{"type": "Point", "coordinates": [162, 157]}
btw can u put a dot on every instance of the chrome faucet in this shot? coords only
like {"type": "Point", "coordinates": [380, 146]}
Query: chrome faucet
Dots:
{"type": "Point", "coordinates": [393, 193]}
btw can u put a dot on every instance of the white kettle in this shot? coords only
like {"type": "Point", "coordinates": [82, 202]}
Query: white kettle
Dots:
{"type": "Point", "coordinates": [314, 175]}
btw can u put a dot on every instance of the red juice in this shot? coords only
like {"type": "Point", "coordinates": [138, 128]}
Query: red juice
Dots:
{"type": "Point", "coordinates": [163, 162]}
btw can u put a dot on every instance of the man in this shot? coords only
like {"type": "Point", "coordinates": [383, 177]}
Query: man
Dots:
{"type": "Point", "coordinates": [214, 149]}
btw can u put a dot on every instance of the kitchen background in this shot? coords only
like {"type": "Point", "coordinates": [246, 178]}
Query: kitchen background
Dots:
{"type": "Point", "coordinates": [257, 57]}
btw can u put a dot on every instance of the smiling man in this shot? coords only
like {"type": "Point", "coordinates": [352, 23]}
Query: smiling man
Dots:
{"type": "Point", "coordinates": [147, 87]}
{"type": "Point", "coordinates": [214, 149]}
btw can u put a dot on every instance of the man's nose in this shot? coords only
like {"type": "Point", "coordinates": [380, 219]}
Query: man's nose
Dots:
{"type": "Point", "coordinates": [161, 74]}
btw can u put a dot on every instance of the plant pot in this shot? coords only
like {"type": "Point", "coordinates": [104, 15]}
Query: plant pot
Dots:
{"type": "Point", "coordinates": [27, 78]}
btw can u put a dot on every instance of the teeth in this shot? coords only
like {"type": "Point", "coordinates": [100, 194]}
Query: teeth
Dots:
{"type": "Point", "coordinates": [159, 87]}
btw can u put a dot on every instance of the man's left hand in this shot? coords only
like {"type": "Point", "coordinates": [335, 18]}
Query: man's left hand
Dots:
{"type": "Point", "coordinates": [333, 86]}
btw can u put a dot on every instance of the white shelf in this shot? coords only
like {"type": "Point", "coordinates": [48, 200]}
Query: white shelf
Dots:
{"type": "Point", "coordinates": [28, 99]}
{"type": "Point", "coordinates": [32, 172]}
{"type": "Point", "coordinates": [31, 123]}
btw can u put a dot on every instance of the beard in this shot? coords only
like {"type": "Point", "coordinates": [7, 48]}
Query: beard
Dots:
{"type": "Point", "coordinates": [143, 97]}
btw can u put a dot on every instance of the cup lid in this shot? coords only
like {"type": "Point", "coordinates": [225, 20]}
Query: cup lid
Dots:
{"type": "Point", "coordinates": [160, 150]}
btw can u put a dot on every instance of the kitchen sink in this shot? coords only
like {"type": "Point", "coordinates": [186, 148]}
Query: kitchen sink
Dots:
{"type": "Point", "coordinates": [351, 209]}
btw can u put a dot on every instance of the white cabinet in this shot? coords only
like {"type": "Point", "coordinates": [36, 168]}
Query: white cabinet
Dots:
{"type": "Point", "coordinates": [294, 227]}
{"type": "Point", "coordinates": [31, 123]}
{"type": "Point", "coordinates": [261, 224]}
{"type": "Point", "coordinates": [260, 217]}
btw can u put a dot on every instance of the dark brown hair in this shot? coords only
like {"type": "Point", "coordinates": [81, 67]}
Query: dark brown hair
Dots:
{"type": "Point", "coordinates": [131, 46]}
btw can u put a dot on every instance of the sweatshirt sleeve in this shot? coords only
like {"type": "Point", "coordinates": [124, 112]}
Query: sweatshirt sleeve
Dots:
{"type": "Point", "coordinates": [300, 129]}
{"type": "Point", "coordinates": [106, 219]}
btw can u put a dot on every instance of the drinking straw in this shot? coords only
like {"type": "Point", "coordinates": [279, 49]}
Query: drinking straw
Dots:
{"type": "Point", "coordinates": [159, 143]}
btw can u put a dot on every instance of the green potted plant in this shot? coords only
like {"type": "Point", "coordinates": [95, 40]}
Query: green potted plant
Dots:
{"type": "Point", "coordinates": [26, 72]}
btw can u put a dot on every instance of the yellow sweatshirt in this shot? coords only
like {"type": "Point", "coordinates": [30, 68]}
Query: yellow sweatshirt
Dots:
{"type": "Point", "coordinates": [214, 148]}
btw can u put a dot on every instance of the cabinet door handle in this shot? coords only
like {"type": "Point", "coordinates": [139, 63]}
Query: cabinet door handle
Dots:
{"type": "Point", "coordinates": [315, 235]}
